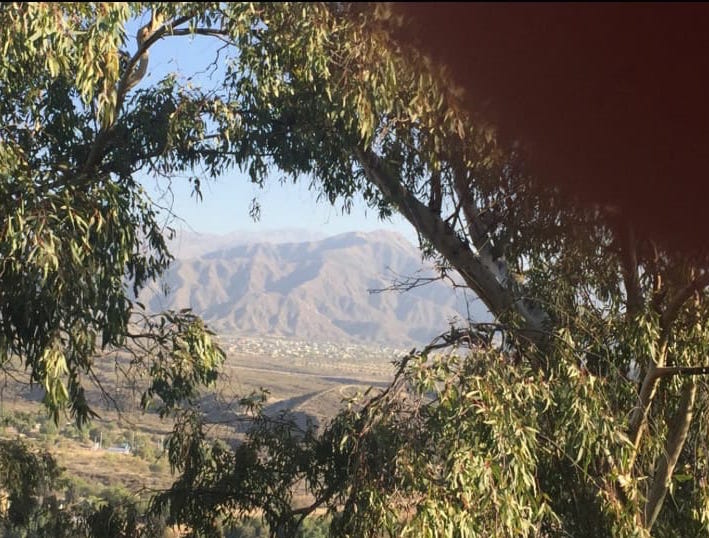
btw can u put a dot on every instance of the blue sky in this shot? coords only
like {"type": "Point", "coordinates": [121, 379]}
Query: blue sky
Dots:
{"type": "Point", "coordinates": [226, 201]}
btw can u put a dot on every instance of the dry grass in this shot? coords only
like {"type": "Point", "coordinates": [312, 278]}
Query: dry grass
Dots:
{"type": "Point", "coordinates": [109, 469]}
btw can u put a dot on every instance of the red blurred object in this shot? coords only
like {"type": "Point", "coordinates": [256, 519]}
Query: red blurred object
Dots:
{"type": "Point", "coordinates": [611, 100]}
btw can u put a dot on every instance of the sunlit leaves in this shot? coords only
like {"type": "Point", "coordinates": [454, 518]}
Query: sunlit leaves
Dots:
{"type": "Point", "coordinates": [47, 35]}
{"type": "Point", "coordinates": [80, 237]}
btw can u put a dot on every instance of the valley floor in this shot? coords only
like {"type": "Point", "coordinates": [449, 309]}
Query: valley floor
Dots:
{"type": "Point", "coordinates": [308, 379]}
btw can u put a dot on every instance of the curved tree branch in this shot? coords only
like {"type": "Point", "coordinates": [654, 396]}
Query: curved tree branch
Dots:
{"type": "Point", "coordinates": [679, 429]}
{"type": "Point", "coordinates": [476, 268]}
{"type": "Point", "coordinates": [145, 41]}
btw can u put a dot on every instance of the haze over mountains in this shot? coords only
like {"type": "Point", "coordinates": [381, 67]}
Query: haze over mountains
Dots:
{"type": "Point", "coordinates": [187, 245]}
{"type": "Point", "coordinates": [312, 289]}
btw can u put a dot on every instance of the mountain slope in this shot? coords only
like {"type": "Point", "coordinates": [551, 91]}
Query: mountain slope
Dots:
{"type": "Point", "coordinates": [314, 290]}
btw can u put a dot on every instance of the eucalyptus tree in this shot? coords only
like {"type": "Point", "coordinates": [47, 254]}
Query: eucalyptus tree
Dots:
{"type": "Point", "coordinates": [577, 412]}
{"type": "Point", "coordinates": [79, 236]}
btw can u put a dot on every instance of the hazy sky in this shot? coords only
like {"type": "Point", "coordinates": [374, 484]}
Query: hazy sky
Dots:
{"type": "Point", "coordinates": [226, 201]}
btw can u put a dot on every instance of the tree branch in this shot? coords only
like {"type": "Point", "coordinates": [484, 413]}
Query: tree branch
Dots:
{"type": "Point", "coordinates": [657, 369]}
{"type": "Point", "coordinates": [638, 418]}
{"type": "Point", "coordinates": [198, 31]}
{"type": "Point", "coordinates": [474, 268]}
{"type": "Point", "coordinates": [404, 283]}
{"type": "Point", "coordinates": [123, 85]}
{"type": "Point", "coordinates": [629, 266]}
{"type": "Point", "coordinates": [647, 394]}
{"type": "Point", "coordinates": [476, 229]}
{"type": "Point", "coordinates": [658, 290]}
{"type": "Point", "coordinates": [149, 41]}
{"type": "Point", "coordinates": [679, 429]}
{"type": "Point", "coordinates": [668, 371]}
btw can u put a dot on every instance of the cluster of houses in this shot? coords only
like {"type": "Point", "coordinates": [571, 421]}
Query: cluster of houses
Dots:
{"type": "Point", "coordinates": [272, 346]}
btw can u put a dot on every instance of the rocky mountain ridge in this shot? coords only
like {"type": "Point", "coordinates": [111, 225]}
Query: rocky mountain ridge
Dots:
{"type": "Point", "coordinates": [319, 290]}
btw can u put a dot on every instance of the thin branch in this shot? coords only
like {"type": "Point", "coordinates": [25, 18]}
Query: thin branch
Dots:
{"type": "Point", "coordinates": [199, 31]}
{"type": "Point", "coordinates": [407, 283]}
{"type": "Point", "coordinates": [166, 29]}
{"type": "Point", "coordinates": [477, 230]}
{"type": "Point", "coordinates": [668, 371]}
{"type": "Point", "coordinates": [404, 283]}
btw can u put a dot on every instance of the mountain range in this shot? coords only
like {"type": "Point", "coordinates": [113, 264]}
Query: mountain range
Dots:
{"type": "Point", "coordinates": [311, 289]}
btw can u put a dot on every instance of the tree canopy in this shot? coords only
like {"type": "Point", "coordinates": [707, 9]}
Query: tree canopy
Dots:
{"type": "Point", "coordinates": [580, 411]}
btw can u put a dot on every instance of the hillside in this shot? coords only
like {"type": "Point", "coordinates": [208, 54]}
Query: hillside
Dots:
{"type": "Point", "coordinates": [313, 290]}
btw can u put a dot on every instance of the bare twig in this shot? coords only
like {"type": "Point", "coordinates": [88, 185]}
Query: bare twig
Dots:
{"type": "Point", "coordinates": [404, 283]}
